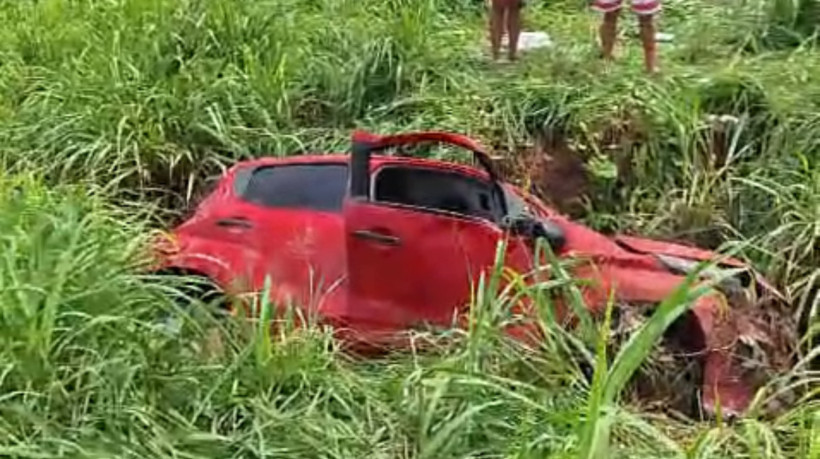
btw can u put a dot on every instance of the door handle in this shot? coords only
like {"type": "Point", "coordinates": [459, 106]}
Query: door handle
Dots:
{"type": "Point", "coordinates": [377, 237]}
{"type": "Point", "coordinates": [234, 222]}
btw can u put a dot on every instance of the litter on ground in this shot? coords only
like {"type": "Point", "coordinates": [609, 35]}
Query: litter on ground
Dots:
{"type": "Point", "coordinates": [528, 41]}
{"type": "Point", "coordinates": [664, 37]}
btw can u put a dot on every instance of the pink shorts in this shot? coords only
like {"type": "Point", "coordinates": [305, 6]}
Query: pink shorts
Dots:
{"type": "Point", "coordinates": [640, 7]}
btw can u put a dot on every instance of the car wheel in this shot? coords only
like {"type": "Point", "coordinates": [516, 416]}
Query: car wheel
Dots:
{"type": "Point", "coordinates": [194, 293]}
{"type": "Point", "coordinates": [669, 378]}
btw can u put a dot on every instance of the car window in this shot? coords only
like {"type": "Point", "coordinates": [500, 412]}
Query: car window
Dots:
{"type": "Point", "coordinates": [306, 186]}
{"type": "Point", "coordinates": [438, 190]}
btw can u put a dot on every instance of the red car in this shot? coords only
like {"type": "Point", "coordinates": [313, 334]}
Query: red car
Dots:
{"type": "Point", "coordinates": [376, 244]}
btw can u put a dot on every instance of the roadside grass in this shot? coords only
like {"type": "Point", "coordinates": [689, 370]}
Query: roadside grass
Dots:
{"type": "Point", "coordinates": [87, 372]}
{"type": "Point", "coordinates": [112, 115]}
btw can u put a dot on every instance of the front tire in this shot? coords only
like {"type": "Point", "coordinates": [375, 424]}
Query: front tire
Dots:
{"type": "Point", "coordinates": [193, 295]}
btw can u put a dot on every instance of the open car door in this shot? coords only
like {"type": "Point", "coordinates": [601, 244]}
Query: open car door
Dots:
{"type": "Point", "coordinates": [418, 237]}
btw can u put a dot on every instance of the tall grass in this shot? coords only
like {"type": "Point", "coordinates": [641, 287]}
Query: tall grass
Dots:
{"type": "Point", "coordinates": [88, 373]}
{"type": "Point", "coordinates": [113, 114]}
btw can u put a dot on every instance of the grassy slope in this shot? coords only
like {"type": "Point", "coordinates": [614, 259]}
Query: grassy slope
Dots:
{"type": "Point", "coordinates": [135, 98]}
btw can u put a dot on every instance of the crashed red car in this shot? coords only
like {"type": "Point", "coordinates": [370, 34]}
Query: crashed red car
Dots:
{"type": "Point", "coordinates": [376, 244]}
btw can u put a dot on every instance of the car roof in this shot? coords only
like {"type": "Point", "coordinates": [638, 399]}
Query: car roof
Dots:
{"type": "Point", "coordinates": [376, 161]}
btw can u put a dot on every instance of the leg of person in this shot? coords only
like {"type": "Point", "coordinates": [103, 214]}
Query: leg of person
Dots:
{"type": "Point", "coordinates": [514, 26]}
{"type": "Point", "coordinates": [609, 26]}
{"type": "Point", "coordinates": [647, 26]}
{"type": "Point", "coordinates": [496, 26]}
{"type": "Point", "coordinates": [646, 10]}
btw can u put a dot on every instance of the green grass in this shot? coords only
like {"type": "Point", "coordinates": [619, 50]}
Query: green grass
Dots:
{"type": "Point", "coordinates": [114, 113]}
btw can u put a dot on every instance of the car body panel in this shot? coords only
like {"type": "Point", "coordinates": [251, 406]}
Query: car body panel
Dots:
{"type": "Point", "coordinates": [430, 269]}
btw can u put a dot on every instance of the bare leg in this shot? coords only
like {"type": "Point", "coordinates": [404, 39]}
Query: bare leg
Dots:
{"type": "Point", "coordinates": [496, 26]}
{"type": "Point", "coordinates": [513, 28]}
{"type": "Point", "coordinates": [647, 27]}
{"type": "Point", "coordinates": [609, 28]}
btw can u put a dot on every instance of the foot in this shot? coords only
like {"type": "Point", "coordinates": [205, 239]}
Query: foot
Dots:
{"type": "Point", "coordinates": [601, 54]}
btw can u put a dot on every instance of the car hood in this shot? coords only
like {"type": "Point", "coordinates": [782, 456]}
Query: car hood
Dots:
{"type": "Point", "coordinates": [689, 253]}
{"type": "Point", "coordinates": [655, 247]}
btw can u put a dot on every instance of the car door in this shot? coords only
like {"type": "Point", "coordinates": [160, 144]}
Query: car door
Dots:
{"type": "Point", "coordinates": [294, 211]}
{"type": "Point", "coordinates": [417, 245]}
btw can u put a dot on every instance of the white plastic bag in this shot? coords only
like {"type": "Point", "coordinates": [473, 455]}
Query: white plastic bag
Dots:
{"type": "Point", "coordinates": [530, 40]}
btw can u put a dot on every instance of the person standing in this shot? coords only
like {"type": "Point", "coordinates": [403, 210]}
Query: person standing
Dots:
{"type": "Point", "coordinates": [505, 15]}
{"type": "Point", "coordinates": [646, 11]}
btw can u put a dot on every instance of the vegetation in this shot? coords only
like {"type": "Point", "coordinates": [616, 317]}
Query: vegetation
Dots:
{"type": "Point", "coordinates": [113, 113]}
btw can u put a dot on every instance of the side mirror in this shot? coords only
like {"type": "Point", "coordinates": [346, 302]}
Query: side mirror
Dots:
{"type": "Point", "coordinates": [533, 228]}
